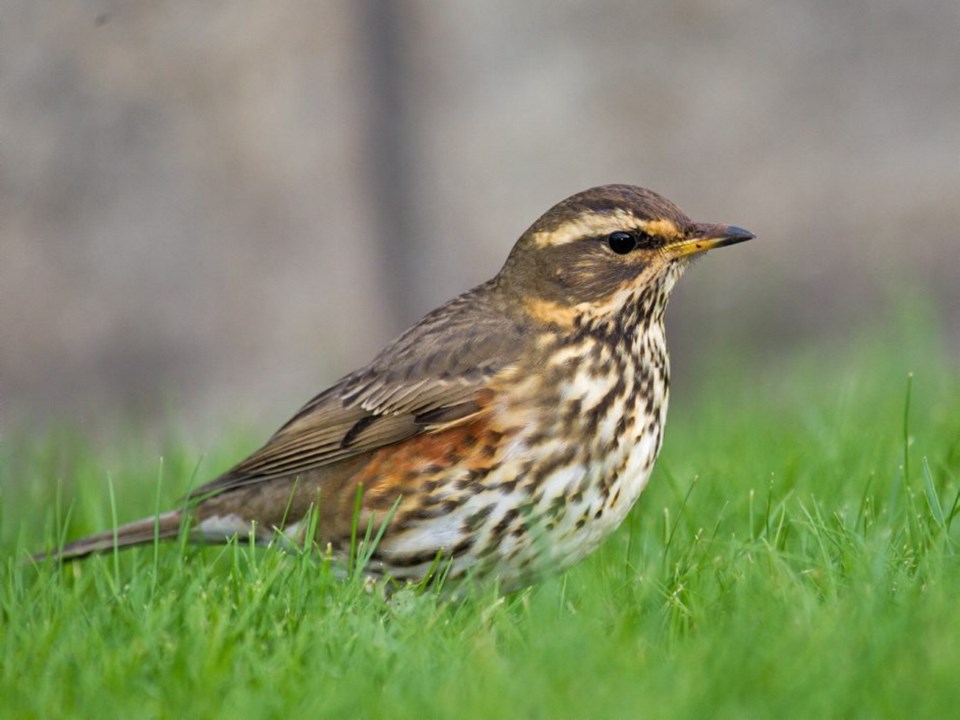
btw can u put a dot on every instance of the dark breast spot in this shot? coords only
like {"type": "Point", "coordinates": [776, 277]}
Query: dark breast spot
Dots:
{"type": "Point", "coordinates": [508, 517]}
{"type": "Point", "coordinates": [475, 520]}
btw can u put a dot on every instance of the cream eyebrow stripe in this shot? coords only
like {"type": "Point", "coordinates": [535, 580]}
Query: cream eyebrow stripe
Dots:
{"type": "Point", "coordinates": [594, 224]}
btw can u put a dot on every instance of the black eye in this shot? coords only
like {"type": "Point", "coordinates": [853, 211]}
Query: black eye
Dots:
{"type": "Point", "coordinates": [622, 242]}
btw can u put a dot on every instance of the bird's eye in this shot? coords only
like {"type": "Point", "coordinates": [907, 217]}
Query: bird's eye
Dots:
{"type": "Point", "coordinates": [622, 242]}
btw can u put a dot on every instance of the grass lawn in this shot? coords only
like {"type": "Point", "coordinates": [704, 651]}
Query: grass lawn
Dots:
{"type": "Point", "coordinates": [796, 555]}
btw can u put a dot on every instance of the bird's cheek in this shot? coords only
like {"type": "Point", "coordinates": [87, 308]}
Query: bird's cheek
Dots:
{"type": "Point", "coordinates": [562, 278]}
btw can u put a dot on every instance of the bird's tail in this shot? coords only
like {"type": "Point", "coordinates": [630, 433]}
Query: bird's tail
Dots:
{"type": "Point", "coordinates": [165, 525]}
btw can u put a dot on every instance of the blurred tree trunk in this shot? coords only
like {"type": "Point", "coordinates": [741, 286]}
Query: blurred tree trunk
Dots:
{"type": "Point", "coordinates": [391, 157]}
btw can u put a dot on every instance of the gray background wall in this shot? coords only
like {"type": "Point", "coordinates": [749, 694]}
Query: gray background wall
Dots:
{"type": "Point", "coordinates": [210, 210]}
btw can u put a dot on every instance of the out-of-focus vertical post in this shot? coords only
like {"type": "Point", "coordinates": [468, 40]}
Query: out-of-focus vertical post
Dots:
{"type": "Point", "coordinates": [391, 155]}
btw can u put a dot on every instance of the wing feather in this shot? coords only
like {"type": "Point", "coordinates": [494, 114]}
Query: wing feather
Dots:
{"type": "Point", "coordinates": [431, 377]}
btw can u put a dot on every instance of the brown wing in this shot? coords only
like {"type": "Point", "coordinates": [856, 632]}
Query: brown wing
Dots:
{"type": "Point", "coordinates": [429, 379]}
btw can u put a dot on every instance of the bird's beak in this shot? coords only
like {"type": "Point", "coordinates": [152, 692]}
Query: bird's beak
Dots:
{"type": "Point", "coordinates": [706, 237]}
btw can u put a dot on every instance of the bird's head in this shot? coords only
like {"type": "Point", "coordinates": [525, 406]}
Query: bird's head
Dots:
{"type": "Point", "coordinates": [601, 251]}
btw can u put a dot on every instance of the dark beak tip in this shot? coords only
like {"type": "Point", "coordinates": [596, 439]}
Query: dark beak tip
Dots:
{"type": "Point", "coordinates": [739, 234]}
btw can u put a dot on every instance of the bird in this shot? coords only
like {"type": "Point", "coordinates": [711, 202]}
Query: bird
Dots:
{"type": "Point", "coordinates": [506, 434]}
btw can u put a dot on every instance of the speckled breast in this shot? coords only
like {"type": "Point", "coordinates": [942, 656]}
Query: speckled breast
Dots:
{"type": "Point", "coordinates": [595, 444]}
{"type": "Point", "coordinates": [561, 458]}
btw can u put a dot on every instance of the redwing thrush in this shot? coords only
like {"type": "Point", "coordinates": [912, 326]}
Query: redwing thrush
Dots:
{"type": "Point", "coordinates": [507, 433]}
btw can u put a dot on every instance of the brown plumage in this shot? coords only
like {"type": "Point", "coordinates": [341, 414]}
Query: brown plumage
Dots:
{"type": "Point", "coordinates": [508, 432]}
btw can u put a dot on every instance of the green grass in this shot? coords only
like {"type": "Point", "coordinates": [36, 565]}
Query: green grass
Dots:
{"type": "Point", "coordinates": [796, 555]}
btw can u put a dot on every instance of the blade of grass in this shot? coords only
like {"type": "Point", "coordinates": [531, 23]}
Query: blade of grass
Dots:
{"type": "Point", "coordinates": [933, 499]}
{"type": "Point", "coordinates": [906, 429]}
{"type": "Point", "coordinates": [156, 527]}
{"type": "Point", "coordinates": [116, 532]}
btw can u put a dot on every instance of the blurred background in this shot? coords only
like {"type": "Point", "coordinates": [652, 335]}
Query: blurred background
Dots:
{"type": "Point", "coordinates": [209, 211]}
